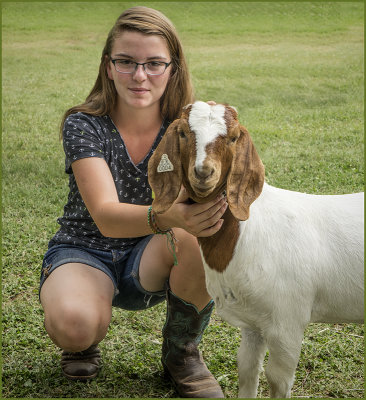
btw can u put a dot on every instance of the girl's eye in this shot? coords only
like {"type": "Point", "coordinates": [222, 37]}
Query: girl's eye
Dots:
{"type": "Point", "coordinates": [124, 62]}
{"type": "Point", "coordinates": [156, 64]}
{"type": "Point", "coordinates": [155, 67]}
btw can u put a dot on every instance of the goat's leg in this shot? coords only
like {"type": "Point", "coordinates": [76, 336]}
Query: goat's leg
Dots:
{"type": "Point", "coordinates": [284, 352]}
{"type": "Point", "coordinates": [250, 358]}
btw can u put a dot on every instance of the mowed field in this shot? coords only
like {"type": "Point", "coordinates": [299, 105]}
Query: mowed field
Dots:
{"type": "Point", "coordinates": [294, 71]}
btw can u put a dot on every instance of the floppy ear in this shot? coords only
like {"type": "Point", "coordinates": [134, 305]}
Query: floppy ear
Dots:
{"type": "Point", "coordinates": [246, 177]}
{"type": "Point", "coordinates": [165, 170]}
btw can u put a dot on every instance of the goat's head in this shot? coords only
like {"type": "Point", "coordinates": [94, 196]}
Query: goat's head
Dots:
{"type": "Point", "coordinates": [207, 151]}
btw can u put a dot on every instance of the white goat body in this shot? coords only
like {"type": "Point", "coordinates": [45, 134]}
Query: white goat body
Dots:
{"type": "Point", "coordinates": [296, 252]}
{"type": "Point", "coordinates": [297, 259]}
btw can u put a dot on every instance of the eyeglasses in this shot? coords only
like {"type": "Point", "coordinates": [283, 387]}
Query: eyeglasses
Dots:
{"type": "Point", "coordinates": [150, 67]}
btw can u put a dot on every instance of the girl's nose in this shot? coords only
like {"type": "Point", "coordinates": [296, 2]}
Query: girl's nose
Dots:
{"type": "Point", "coordinates": [139, 73]}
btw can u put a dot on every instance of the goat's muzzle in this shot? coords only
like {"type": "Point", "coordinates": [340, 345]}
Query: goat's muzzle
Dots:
{"type": "Point", "coordinates": [204, 172]}
{"type": "Point", "coordinates": [204, 178]}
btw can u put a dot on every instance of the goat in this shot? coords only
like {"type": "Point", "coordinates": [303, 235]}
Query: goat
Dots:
{"type": "Point", "coordinates": [297, 259]}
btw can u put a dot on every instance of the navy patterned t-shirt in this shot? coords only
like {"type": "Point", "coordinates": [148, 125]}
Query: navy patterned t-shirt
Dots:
{"type": "Point", "coordinates": [88, 136]}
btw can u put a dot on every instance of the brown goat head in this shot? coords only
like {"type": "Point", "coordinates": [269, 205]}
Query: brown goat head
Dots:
{"type": "Point", "coordinates": [207, 151]}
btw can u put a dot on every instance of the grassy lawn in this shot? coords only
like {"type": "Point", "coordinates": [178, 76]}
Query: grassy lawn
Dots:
{"type": "Point", "coordinates": [294, 71]}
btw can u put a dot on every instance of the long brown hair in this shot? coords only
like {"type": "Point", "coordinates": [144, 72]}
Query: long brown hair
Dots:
{"type": "Point", "coordinates": [179, 91]}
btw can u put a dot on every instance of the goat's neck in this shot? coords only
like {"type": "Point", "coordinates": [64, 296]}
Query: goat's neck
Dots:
{"type": "Point", "coordinates": [218, 249]}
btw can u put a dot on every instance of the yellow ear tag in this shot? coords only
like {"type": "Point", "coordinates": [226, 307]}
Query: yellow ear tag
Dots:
{"type": "Point", "coordinates": [165, 164]}
{"type": "Point", "coordinates": [152, 195]}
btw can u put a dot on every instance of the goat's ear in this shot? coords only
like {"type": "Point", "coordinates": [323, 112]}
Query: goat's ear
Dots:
{"type": "Point", "coordinates": [246, 177]}
{"type": "Point", "coordinates": [165, 170]}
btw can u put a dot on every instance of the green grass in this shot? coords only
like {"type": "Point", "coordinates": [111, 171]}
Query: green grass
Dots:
{"type": "Point", "coordinates": [295, 73]}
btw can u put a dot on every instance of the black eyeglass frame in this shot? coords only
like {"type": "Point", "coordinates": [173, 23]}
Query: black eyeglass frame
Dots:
{"type": "Point", "coordinates": [137, 64]}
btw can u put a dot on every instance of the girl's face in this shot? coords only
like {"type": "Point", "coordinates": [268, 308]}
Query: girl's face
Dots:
{"type": "Point", "coordinates": [139, 90]}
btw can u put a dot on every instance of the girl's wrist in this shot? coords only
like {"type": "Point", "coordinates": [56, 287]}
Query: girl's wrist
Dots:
{"type": "Point", "coordinates": [157, 223]}
{"type": "Point", "coordinates": [162, 222]}
{"type": "Point", "coordinates": [171, 239]}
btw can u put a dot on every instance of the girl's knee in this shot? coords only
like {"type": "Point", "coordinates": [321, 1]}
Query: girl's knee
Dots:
{"type": "Point", "coordinates": [75, 329]}
{"type": "Point", "coordinates": [186, 238]}
{"type": "Point", "coordinates": [188, 245]}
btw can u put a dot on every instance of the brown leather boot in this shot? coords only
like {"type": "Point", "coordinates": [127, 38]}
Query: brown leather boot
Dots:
{"type": "Point", "coordinates": [83, 365]}
{"type": "Point", "coordinates": [181, 358]}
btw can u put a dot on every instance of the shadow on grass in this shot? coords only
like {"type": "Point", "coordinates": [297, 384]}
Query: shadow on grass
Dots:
{"type": "Point", "coordinates": [42, 378]}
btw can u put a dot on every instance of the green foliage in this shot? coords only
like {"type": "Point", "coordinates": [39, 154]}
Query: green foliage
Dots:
{"type": "Point", "coordinates": [293, 70]}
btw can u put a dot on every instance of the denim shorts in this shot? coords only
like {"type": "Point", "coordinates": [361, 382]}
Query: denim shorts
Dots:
{"type": "Point", "coordinates": [121, 266]}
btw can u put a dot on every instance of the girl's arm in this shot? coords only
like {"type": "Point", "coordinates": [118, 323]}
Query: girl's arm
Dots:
{"type": "Point", "coordinates": [121, 220]}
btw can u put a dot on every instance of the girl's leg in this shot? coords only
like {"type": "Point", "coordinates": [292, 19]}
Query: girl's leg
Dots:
{"type": "Point", "coordinates": [189, 307]}
{"type": "Point", "coordinates": [77, 302]}
{"type": "Point", "coordinates": [186, 280]}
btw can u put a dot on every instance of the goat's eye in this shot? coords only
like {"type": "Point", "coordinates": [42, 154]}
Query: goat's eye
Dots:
{"type": "Point", "coordinates": [182, 134]}
{"type": "Point", "coordinates": [233, 139]}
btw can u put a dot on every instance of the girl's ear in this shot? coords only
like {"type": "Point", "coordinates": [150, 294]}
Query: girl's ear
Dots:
{"type": "Point", "coordinates": [165, 170]}
{"type": "Point", "coordinates": [246, 177]}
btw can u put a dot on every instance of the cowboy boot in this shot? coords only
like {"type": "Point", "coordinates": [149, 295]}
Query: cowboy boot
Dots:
{"type": "Point", "coordinates": [83, 365]}
{"type": "Point", "coordinates": [181, 359]}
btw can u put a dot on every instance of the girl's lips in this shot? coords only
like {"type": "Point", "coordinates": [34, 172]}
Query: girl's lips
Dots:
{"type": "Point", "coordinates": [139, 90]}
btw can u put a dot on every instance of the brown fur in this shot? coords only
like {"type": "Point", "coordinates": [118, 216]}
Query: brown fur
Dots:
{"type": "Point", "coordinates": [218, 249]}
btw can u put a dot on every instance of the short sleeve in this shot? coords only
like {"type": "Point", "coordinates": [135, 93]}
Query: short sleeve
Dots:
{"type": "Point", "coordinates": [82, 138]}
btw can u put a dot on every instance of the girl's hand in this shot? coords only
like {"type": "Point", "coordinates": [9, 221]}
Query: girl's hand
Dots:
{"type": "Point", "coordinates": [200, 220]}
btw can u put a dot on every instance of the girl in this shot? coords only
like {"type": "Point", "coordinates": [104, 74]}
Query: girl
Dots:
{"type": "Point", "coordinates": [108, 250]}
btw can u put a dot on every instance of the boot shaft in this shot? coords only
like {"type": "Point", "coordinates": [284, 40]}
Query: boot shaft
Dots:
{"type": "Point", "coordinates": [184, 323]}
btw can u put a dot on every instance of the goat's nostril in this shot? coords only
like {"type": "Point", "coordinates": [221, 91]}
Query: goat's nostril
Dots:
{"type": "Point", "coordinates": [203, 172]}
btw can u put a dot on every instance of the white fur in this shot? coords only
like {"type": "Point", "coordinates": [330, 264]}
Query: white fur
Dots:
{"type": "Point", "coordinates": [207, 122]}
{"type": "Point", "coordinates": [298, 259]}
